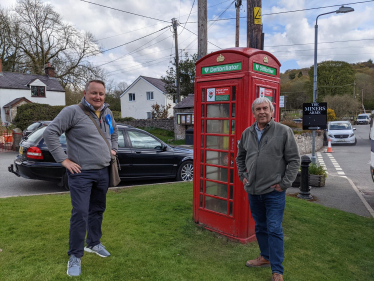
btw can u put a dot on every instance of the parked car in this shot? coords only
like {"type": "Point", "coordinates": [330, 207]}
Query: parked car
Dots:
{"type": "Point", "coordinates": [33, 127]}
{"type": "Point", "coordinates": [341, 132]}
{"type": "Point", "coordinates": [141, 156]}
{"type": "Point", "coordinates": [363, 119]}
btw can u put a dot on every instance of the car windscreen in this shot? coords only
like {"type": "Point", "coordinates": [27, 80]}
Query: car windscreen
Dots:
{"type": "Point", "coordinates": [33, 126]}
{"type": "Point", "coordinates": [362, 117]}
{"type": "Point", "coordinates": [340, 126]}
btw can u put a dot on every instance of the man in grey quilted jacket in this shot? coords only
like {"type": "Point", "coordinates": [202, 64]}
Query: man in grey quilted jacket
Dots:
{"type": "Point", "coordinates": [268, 160]}
{"type": "Point", "coordinates": [86, 162]}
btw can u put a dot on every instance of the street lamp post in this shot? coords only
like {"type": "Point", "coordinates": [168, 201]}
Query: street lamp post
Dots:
{"type": "Point", "coordinates": [341, 10]}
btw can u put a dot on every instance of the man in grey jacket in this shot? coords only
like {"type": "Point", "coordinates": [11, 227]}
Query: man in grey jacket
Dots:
{"type": "Point", "coordinates": [268, 160]}
{"type": "Point", "coordinates": [86, 162]}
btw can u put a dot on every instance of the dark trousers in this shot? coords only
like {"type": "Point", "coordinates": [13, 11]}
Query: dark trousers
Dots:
{"type": "Point", "coordinates": [88, 198]}
{"type": "Point", "coordinates": [267, 211]}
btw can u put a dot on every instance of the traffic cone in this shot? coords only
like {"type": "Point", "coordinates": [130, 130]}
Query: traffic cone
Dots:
{"type": "Point", "coordinates": [329, 148]}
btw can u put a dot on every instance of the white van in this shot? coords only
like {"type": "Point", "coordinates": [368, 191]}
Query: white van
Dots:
{"type": "Point", "coordinates": [363, 118]}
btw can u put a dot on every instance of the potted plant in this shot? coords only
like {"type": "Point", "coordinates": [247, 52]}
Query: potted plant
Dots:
{"type": "Point", "coordinates": [317, 175]}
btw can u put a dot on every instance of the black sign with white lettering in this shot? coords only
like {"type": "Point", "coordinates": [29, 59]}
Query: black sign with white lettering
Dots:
{"type": "Point", "coordinates": [315, 116]}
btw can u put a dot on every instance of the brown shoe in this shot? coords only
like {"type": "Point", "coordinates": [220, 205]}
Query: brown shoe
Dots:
{"type": "Point", "coordinates": [259, 262]}
{"type": "Point", "coordinates": [277, 277]}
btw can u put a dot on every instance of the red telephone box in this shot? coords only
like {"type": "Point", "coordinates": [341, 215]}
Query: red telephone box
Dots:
{"type": "Point", "coordinates": [227, 82]}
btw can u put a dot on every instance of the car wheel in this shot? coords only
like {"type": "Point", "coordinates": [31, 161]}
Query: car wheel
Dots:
{"type": "Point", "coordinates": [65, 181]}
{"type": "Point", "coordinates": [185, 171]}
{"type": "Point", "coordinates": [372, 173]}
{"type": "Point", "coordinates": [355, 142]}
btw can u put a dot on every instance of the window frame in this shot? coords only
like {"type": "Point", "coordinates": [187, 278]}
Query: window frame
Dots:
{"type": "Point", "coordinates": [38, 92]}
{"type": "Point", "coordinates": [150, 95]}
{"type": "Point", "coordinates": [132, 97]}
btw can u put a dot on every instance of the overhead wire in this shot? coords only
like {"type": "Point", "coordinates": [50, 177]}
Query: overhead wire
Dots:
{"type": "Point", "coordinates": [188, 17]}
{"type": "Point", "coordinates": [292, 11]}
{"type": "Point", "coordinates": [127, 12]}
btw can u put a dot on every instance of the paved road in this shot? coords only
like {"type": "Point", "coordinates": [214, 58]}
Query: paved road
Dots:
{"type": "Point", "coordinates": [11, 185]}
{"type": "Point", "coordinates": [354, 162]}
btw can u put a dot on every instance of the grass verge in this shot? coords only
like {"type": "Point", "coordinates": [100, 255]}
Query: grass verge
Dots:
{"type": "Point", "coordinates": [151, 235]}
{"type": "Point", "coordinates": [164, 135]}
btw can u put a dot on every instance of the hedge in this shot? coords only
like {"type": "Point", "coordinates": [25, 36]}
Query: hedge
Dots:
{"type": "Point", "coordinates": [29, 113]}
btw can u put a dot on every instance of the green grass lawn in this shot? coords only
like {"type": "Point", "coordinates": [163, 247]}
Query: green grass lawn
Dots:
{"type": "Point", "coordinates": [151, 235]}
{"type": "Point", "coordinates": [164, 135]}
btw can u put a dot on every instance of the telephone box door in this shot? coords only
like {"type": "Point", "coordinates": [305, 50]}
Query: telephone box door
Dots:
{"type": "Point", "coordinates": [215, 158]}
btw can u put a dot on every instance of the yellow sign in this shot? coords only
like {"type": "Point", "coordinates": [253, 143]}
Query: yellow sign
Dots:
{"type": "Point", "coordinates": [257, 15]}
{"type": "Point", "coordinates": [21, 150]}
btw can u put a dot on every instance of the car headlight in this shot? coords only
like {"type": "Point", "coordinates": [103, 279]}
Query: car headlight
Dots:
{"type": "Point", "coordinates": [351, 135]}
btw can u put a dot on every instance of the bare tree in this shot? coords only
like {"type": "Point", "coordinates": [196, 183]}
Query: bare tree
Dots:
{"type": "Point", "coordinates": [43, 37]}
{"type": "Point", "coordinates": [344, 106]}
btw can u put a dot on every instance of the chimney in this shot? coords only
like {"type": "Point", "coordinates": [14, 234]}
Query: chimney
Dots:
{"type": "Point", "coordinates": [49, 70]}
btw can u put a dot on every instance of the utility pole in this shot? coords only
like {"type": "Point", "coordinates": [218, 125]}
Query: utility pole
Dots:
{"type": "Point", "coordinates": [237, 6]}
{"type": "Point", "coordinates": [255, 37]}
{"type": "Point", "coordinates": [202, 32]}
{"type": "Point", "coordinates": [175, 26]}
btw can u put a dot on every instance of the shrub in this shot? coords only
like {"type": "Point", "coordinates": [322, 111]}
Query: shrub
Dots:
{"type": "Point", "coordinates": [116, 115]}
{"type": "Point", "coordinates": [31, 112]}
{"type": "Point", "coordinates": [315, 169]}
{"type": "Point", "coordinates": [330, 115]}
{"type": "Point", "coordinates": [121, 120]}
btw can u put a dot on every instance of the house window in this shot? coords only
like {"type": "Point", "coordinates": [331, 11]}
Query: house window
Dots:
{"type": "Point", "coordinates": [175, 100]}
{"type": "Point", "coordinates": [132, 97]}
{"type": "Point", "coordinates": [149, 115]}
{"type": "Point", "coordinates": [149, 95]}
{"type": "Point", "coordinates": [38, 91]}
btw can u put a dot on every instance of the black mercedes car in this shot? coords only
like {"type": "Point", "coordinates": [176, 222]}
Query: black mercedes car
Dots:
{"type": "Point", "coordinates": [141, 156]}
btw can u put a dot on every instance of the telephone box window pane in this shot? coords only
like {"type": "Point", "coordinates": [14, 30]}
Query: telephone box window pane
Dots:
{"type": "Point", "coordinates": [201, 171]}
{"type": "Point", "coordinates": [233, 96]}
{"type": "Point", "coordinates": [216, 189]}
{"type": "Point", "coordinates": [232, 161]}
{"type": "Point", "coordinates": [202, 110]}
{"type": "Point", "coordinates": [217, 158]}
{"type": "Point", "coordinates": [216, 173]}
{"type": "Point", "coordinates": [201, 186]}
{"type": "Point", "coordinates": [201, 201]}
{"type": "Point", "coordinates": [233, 110]}
{"type": "Point", "coordinates": [230, 212]}
{"type": "Point", "coordinates": [202, 156]}
{"type": "Point", "coordinates": [231, 176]}
{"type": "Point", "coordinates": [231, 191]}
{"type": "Point", "coordinates": [202, 141]}
{"type": "Point", "coordinates": [203, 95]}
{"type": "Point", "coordinates": [218, 126]}
{"type": "Point", "coordinates": [217, 205]}
{"type": "Point", "coordinates": [218, 110]}
{"type": "Point", "coordinates": [202, 125]}
{"type": "Point", "coordinates": [217, 142]}
{"type": "Point", "coordinates": [232, 127]}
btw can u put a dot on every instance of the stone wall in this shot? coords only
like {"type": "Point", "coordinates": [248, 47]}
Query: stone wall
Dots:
{"type": "Point", "coordinates": [167, 124]}
{"type": "Point", "coordinates": [304, 142]}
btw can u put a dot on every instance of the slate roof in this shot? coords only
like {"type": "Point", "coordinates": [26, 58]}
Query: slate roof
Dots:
{"type": "Point", "coordinates": [187, 102]}
{"type": "Point", "coordinates": [14, 80]}
{"type": "Point", "coordinates": [156, 82]}
{"type": "Point", "coordinates": [10, 104]}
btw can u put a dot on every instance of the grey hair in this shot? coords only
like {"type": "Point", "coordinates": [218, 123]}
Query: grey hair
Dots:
{"type": "Point", "coordinates": [95, 81]}
{"type": "Point", "coordinates": [262, 100]}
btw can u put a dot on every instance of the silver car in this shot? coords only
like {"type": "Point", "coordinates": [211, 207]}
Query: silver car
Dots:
{"type": "Point", "coordinates": [341, 132]}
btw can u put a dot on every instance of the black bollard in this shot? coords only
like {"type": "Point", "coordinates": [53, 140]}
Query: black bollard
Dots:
{"type": "Point", "coordinates": [304, 186]}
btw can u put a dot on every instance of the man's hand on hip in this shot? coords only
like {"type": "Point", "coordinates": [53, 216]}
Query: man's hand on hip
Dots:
{"type": "Point", "coordinates": [73, 168]}
{"type": "Point", "coordinates": [113, 152]}
{"type": "Point", "coordinates": [245, 181]}
{"type": "Point", "coordinates": [277, 187]}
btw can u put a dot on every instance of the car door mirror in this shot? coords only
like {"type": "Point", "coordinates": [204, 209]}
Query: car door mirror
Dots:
{"type": "Point", "coordinates": [354, 129]}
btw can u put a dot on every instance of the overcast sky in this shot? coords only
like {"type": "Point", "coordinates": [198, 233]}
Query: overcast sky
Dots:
{"type": "Point", "coordinates": [289, 36]}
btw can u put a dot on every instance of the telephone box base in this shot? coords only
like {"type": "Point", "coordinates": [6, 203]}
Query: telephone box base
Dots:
{"type": "Point", "coordinates": [236, 239]}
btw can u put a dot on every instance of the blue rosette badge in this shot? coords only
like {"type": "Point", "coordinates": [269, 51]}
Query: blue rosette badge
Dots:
{"type": "Point", "coordinates": [109, 121]}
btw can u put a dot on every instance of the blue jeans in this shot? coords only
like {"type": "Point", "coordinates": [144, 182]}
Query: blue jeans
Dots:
{"type": "Point", "coordinates": [88, 198]}
{"type": "Point", "coordinates": [267, 211]}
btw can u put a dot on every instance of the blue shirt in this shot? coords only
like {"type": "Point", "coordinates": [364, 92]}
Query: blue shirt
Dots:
{"type": "Point", "coordinates": [259, 133]}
